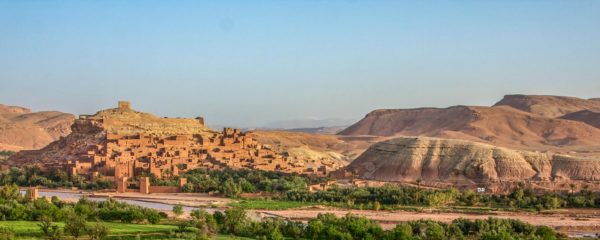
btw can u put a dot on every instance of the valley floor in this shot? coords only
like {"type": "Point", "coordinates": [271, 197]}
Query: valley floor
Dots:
{"type": "Point", "coordinates": [573, 222]}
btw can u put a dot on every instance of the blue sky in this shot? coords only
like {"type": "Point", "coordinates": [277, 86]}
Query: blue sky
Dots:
{"type": "Point", "coordinates": [247, 63]}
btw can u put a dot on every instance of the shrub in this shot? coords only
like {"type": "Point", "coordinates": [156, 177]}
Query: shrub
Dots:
{"type": "Point", "coordinates": [6, 233]}
{"type": "Point", "coordinates": [97, 231]}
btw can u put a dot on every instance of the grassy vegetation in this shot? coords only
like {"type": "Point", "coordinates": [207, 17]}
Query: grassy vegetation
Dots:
{"type": "Point", "coordinates": [5, 154]}
{"type": "Point", "coordinates": [174, 236]}
{"type": "Point", "coordinates": [25, 230]}
{"type": "Point", "coordinates": [31, 230]}
{"type": "Point", "coordinates": [271, 204]}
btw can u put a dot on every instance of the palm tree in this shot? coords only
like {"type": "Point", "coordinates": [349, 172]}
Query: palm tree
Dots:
{"type": "Point", "coordinates": [572, 186]}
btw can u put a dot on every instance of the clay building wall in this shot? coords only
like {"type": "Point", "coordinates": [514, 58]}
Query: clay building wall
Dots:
{"type": "Point", "coordinates": [163, 189]}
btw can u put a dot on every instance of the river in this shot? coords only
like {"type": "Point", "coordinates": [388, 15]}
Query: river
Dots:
{"type": "Point", "coordinates": [153, 205]}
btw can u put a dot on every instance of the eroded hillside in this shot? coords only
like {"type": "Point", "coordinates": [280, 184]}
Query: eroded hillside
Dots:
{"type": "Point", "coordinates": [22, 129]}
{"type": "Point", "coordinates": [502, 125]}
{"type": "Point", "coordinates": [549, 106]}
{"type": "Point", "coordinates": [413, 159]}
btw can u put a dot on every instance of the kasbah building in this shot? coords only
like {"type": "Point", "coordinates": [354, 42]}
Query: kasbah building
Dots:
{"type": "Point", "coordinates": [122, 145]}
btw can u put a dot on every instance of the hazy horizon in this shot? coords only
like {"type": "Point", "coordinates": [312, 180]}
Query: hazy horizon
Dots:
{"type": "Point", "coordinates": [250, 64]}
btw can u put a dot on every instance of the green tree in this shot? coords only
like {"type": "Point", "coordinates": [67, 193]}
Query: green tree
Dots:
{"type": "Point", "coordinates": [469, 198]}
{"type": "Point", "coordinates": [231, 188]}
{"type": "Point", "coordinates": [435, 231]}
{"type": "Point", "coordinates": [402, 231]}
{"type": "Point", "coordinates": [6, 233]}
{"type": "Point", "coordinates": [183, 225]}
{"type": "Point", "coordinates": [246, 185]}
{"type": "Point", "coordinates": [293, 229]}
{"type": "Point", "coordinates": [376, 205]}
{"type": "Point", "coordinates": [275, 235]}
{"type": "Point", "coordinates": [314, 229]}
{"type": "Point", "coordinates": [178, 209]}
{"type": "Point", "coordinates": [205, 223]}
{"type": "Point", "coordinates": [97, 231]}
{"type": "Point", "coordinates": [74, 224]}
{"type": "Point", "coordinates": [235, 220]}
{"type": "Point", "coordinates": [546, 233]}
{"type": "Point", "coordinates": [49, 230]}
{"type": "Point", "coordinates": [10, 192]}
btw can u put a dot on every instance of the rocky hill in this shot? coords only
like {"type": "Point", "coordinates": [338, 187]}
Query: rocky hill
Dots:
{"type": "Point", "coordinates": [315, 146]}
{"type": "Point", "coordinates": [21, 129]}
{"type": "Point", "coordinates": [586, 116]}
{"type": "Point", "coordinates": [412, 159]}
{"type": "Point", "coordinates": [549, 106]}
{"type": "Point", "coordinates": [542, 139]}
{"type": "Point", "coordinates": [500, 125]}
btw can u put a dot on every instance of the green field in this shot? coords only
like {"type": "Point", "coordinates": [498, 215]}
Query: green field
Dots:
{"type": "Point", "coordinates": [270, 204]}
{"type": "Point", "coordinates": [30, 230]}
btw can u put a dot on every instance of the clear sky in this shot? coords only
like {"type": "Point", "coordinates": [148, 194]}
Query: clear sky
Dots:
{"type": "Point", "coordinates": [247, 63]}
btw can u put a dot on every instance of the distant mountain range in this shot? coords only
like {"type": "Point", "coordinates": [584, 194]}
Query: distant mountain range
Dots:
{"type": "Point", "coordinates": [308, 123]}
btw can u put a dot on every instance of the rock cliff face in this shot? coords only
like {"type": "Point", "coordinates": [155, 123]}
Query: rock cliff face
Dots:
{"type": "Point", "coordinates": [21, 129]}
{"type": "Point", "coordinates": [462, 162]}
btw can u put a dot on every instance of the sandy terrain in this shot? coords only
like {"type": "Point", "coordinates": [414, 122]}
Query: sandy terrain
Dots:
{"type": "Point", "coordinates": [186, 199]}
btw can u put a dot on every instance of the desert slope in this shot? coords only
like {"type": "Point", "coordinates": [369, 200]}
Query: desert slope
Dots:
{"type": "Point", "coordinates": [22, 129]}
{"type": "Point", "coordinates": [585, 116]}
{"type": "Point", "coordinates": [501, 125]}
{"type": "Point", "coordinates": [315, 146]}
{"type": "Point", "coordinates": [409, 159]}
{"type": "Point", "coordinates": [549, 106]}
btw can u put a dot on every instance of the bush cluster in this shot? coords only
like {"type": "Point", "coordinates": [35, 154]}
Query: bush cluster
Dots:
{"type": "Point", "coordinates": [14, 206]}
{"type": "Point", "coordinates": [327, 226]}
{"type": "Point", "coordinates": [392, 196]}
